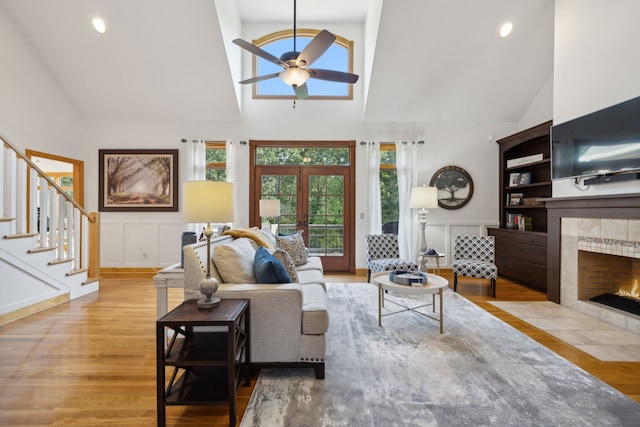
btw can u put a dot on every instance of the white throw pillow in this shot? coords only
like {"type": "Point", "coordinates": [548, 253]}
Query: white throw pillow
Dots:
{"type": "Point", "coordinates": [234, 261]}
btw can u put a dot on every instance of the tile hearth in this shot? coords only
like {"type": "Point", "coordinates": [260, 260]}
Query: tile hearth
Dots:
{"type": "Point", "coordinates": [599, 339]}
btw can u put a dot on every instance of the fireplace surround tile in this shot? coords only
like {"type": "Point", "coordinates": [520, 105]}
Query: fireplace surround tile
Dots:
{"type": "Point", "coordinates": [589, 227]}
{"type": "Point", "coordinates": [615, 229]}
{"type": "Point", "coordinates": [587, 234]}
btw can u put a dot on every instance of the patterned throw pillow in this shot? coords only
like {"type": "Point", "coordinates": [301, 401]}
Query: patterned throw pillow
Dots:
{"type": "Point", "coordinates": [288, 263]}
{"type": "Point", "coordinates": [294, 245]}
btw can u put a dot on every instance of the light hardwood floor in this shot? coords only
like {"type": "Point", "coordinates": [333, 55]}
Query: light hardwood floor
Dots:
{"type": "Point", "coordinates": [92, 361]}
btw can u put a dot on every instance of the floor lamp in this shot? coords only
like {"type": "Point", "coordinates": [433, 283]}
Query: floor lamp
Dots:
{"type": "Point", "coordinates": [423, 198]}
{"type": "Point", "coordinates": [269, 208]}
{"type": "Point", "coordinates": [210, 202]}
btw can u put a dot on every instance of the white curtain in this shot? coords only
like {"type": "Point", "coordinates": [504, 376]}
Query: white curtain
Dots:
{"type": "Point", "coordinates": [374, 209]}
{"type": "Point", "coordinates": [230, 149]}
{"type": "Point", "coordinates": [407, 170]}
{"type": "Point", "coordinates": [196, 160]}
{"type": "Point", "coordinates": [196, 170]}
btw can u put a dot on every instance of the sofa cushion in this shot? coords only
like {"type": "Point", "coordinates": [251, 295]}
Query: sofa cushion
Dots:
{"type": "Point", "coordinates": [234, 261]}
{"type": "Point", "coordinates": [287, 261]}
{"type": "Point", "coordinates": [313, 263]}
{"type": "Point", "coordinates": [315, 316]}
{"type": "Point", "coordinates": [294, 244]}
{"type": "Point", "coordinates": [268, 234]}
{"type": "Point", "coordinates": [268, 269]}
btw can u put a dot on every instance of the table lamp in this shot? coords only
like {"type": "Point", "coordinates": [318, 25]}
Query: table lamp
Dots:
{"type": "Point", "coordinates": [210, 202]}
{"type": "Point", "coordinates": [269, 208]}
{"type": "Point", "coordinates": [423, 198]}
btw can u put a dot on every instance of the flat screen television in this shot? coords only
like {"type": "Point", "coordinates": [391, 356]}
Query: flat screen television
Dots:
{"type": "Point", "coordinates": [603, 143]}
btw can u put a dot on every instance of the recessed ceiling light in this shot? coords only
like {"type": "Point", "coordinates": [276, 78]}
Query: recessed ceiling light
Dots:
{"type": "Point", "coordinates": [99, 25]}
{"type": "Point", "coordinates": [506, 28]}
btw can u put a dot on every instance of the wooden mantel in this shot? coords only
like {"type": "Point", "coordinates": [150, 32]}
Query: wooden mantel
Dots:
{"type": "Point", "coordinates": [617, 206]}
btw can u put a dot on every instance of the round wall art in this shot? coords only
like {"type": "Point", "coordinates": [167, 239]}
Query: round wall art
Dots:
{"type": "Point", "coordinates": [455, 187]}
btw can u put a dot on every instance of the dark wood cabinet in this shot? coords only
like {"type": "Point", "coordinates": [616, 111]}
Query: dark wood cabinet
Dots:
{"type": "Point", "coordinates": [524, 181]}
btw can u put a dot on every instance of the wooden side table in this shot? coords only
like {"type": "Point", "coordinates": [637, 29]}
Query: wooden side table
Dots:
{"type": "Point", "coordinates": [208, 363]}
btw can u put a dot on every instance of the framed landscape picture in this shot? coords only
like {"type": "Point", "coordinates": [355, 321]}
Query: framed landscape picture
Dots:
{"type": "Point", "coordinates": [138, 180]}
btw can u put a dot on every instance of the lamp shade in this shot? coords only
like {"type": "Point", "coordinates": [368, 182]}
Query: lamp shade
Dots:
{"type": "Point", "coordinates": [269, 208]}
{"type": "Point", "coordinates": [207, 201]}
{"type": "Point", "coordinates": [424, 197]}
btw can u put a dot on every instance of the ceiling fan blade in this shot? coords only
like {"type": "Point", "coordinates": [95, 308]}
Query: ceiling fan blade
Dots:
{"type": "Point", "coordinates": [316, 47]}
{"type": "Point", "coordinates": [333, 76]}
{"type": "Point", "coordinates": [259, 52]}
{"type": "Point", "coordinates": [259, 78]}
{"type": "Point", "coordinates": [301, 91]}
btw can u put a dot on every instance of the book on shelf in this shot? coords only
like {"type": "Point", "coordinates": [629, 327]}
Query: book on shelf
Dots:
{"type": "Point", "coordinates": [519, 161]}
{"type": "Point", "coordinates": [520, 222]}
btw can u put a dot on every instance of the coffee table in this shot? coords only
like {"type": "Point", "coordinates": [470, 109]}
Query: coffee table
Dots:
{"type": "Point", "coordinates": [435, 285]}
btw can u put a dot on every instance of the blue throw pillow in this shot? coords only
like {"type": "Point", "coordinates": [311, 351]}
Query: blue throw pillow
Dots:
{"type": "Point", "coordinates": [268, 269]}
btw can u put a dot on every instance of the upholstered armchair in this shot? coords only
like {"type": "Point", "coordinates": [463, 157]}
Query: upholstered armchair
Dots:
{"type": "Point", "coordinates": [474, 256]}
{"type": "Point", "coordinates": [383, 254]}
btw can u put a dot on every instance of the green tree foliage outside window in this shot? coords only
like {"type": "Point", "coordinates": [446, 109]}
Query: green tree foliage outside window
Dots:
{"type": "Point", "coordinates": [388, 183]}
{"type": "Point", "coordinates": [216, 158]}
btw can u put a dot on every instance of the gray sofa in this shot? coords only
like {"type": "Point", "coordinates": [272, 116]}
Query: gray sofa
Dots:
{"type": "Point", "coordinates": [288, 320]}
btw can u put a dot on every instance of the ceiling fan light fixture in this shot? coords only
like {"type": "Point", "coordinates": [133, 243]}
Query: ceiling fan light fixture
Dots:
{"type": "Point", "coordinates": [294, 76]}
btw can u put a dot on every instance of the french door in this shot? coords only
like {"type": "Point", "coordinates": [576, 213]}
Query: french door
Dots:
{"type": "Point", "coordinates": [317, 199]}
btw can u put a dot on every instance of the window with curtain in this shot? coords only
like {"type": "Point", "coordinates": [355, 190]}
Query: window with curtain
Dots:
{"type": "Point", "coordinates": [216, 161]}
{"type": "Point", "coordinates": [388, 183]}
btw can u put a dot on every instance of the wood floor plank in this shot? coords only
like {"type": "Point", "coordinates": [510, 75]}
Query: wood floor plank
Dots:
{"type": "Point", "coordinates": [91, 361]}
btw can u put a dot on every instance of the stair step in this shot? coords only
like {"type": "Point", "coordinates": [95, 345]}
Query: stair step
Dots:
{"type": "Point", "coordinates": [38, 250]}
{"type": "Point", "coordinates": [60, 261]}
{"type": "Point", "coordinates": [20, 236]}
{"type": "Point", "coordinates": [77, 271]}
{"type": "Point", "coordinates": [6, 219]}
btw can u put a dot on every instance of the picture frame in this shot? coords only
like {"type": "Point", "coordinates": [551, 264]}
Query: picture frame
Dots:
{"type": "Point", "coordinates": [515, 199]}
{"type": "Point", "coordinates": [514, 179]}
{"type": "Point", "coordinates": [525, 178]}
{"type": "Point", "coordinates": [455, 187]}
{"type": "Point", "coordinates": [144, 180]}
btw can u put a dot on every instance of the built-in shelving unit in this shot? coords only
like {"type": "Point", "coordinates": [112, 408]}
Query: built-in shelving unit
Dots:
{"type": "Point", "coordinates": [524, 181]}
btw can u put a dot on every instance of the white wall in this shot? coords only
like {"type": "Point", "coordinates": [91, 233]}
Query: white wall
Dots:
{"type": "Point", "coordinates": [37, 114]}
{"type": "Point", "coordinates": [596, 65]}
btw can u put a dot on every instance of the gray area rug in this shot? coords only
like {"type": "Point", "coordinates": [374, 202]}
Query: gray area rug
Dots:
{"type": "Point", "coordinates": [480, 372]}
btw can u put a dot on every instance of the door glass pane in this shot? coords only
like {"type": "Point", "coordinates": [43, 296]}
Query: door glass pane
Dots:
{"type": "Point", "coordinates": [326, 215]}
{"type": "Point", "coordinates": [330, 156]}
{"type": "Point", "coordinates": [283, 188]}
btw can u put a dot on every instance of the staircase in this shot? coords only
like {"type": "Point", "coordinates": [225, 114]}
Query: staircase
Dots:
{"type": "Point", "coordinates": [49, 245]}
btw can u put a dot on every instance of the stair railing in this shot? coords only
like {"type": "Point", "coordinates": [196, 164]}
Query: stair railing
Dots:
{"type": "Point", "coordinates": [40, 207]}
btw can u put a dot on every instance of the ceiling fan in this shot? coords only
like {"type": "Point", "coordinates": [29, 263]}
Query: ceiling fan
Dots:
{"type": "Point", "coordinates": [295, 64]}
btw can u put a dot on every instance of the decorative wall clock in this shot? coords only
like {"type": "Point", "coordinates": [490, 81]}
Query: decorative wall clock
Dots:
{"type": "Point", "coordinates": [455, 187]}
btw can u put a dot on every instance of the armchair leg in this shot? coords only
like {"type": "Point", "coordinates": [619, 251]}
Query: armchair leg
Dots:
{"type": "Point", "coordinates": [455, 282]}
{"type": "Point", "coordinates": [493, 286]}
{"type": "Point", "coordinates": [368, 276]}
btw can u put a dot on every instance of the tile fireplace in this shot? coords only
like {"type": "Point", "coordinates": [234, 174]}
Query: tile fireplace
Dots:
{"type": "Point", "coordinates": [594, 250]}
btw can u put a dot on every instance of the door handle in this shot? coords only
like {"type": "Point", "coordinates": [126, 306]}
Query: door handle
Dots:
{"type": "Point", "coordinates": [298, 223]}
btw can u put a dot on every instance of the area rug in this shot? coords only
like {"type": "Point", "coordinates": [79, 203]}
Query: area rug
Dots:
{"type": "Point", "coordinates": [479, 372]}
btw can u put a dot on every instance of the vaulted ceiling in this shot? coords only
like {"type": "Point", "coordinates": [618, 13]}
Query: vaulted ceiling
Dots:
{"type": "Point", "coordinates": [430, 60]}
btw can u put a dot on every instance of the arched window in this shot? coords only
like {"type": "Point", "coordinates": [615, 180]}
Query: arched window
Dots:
{"type": "Point", "coordinates": [338, 57]}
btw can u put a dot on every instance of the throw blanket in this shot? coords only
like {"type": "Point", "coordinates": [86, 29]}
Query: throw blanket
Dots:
{"type": "Point", "coordinates": [253, 234]}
